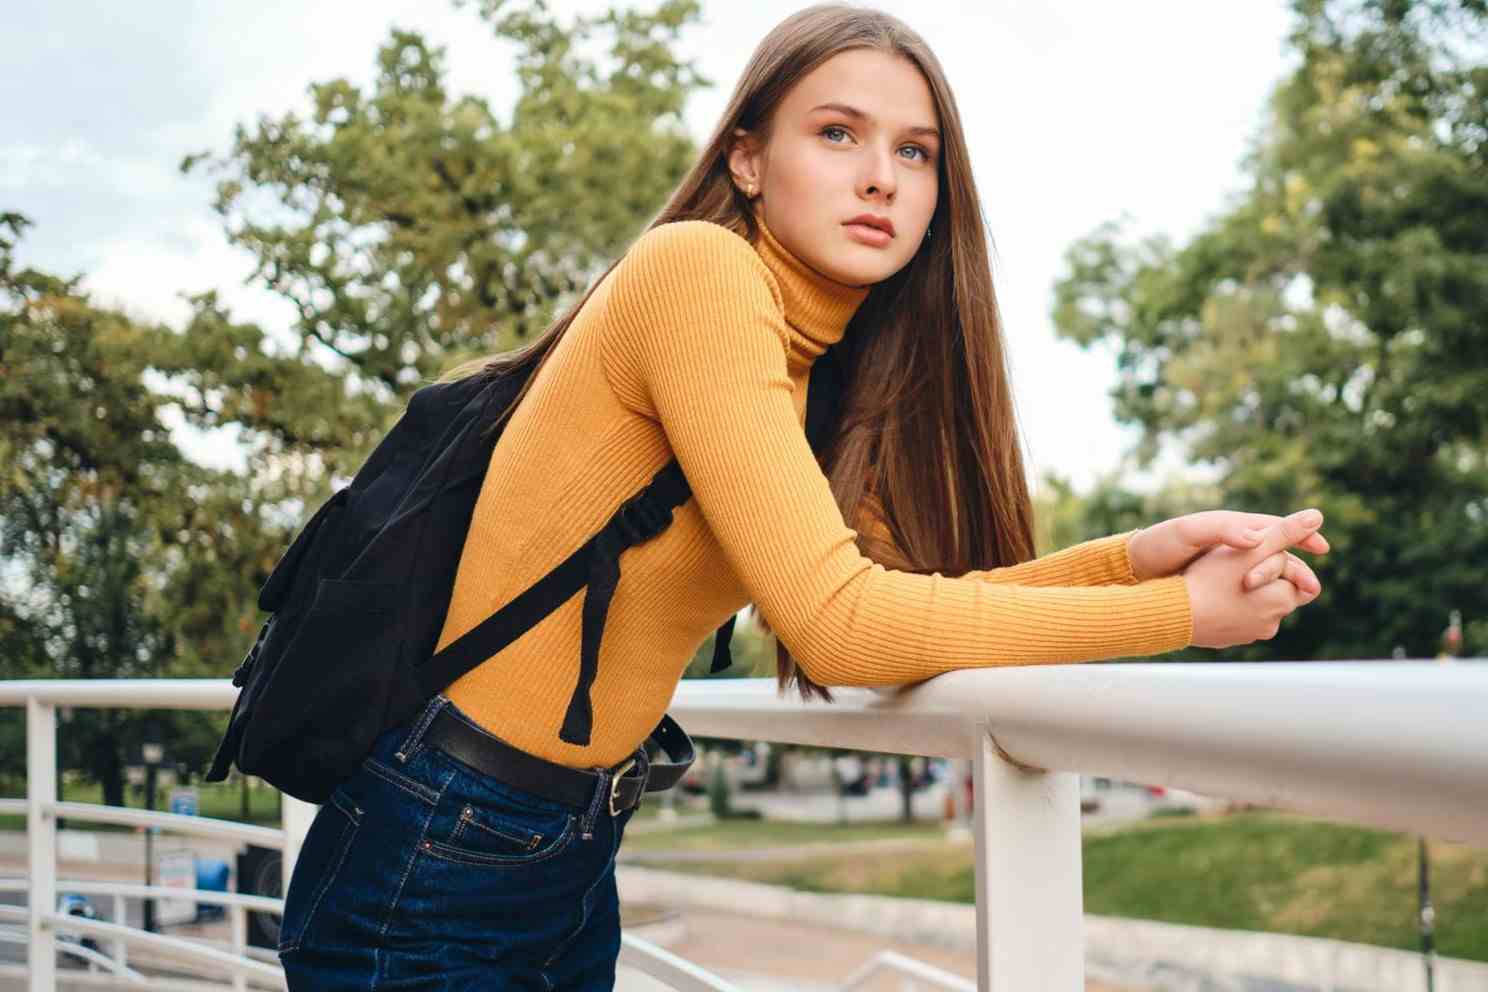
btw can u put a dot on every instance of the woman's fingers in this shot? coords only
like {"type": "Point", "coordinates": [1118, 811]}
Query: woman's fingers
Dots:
{"type": "Point", "coordinates": [1299, 575]}
{"type": "Point", "coordinates": [1316, 543]}
{"type": "Point", "coordinates": [1267, 571]}
{"type": "Point", "coordinates": [1255, 524]}
{"type": "Point", "coordinates": [1288, 532]}
{"type": "Point", "coordinates": [1288, 567]}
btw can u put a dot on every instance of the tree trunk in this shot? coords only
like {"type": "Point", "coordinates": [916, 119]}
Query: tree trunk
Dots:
{"type": "Point", "coordinates": [110, 772]}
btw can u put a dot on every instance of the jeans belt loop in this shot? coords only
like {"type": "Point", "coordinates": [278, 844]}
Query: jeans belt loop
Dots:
{"type": "Point", "coordinates": [411, 742]}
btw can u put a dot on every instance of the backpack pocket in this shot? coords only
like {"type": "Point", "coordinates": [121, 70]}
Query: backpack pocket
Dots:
{"type": "Point", "coordinates": [328, 690]}
{"type": "Point", "coordinates": [314, 536]}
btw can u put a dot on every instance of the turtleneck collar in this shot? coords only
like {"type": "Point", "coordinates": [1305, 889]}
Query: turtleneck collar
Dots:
{"type": "Point", "coordinates": [817, 309]}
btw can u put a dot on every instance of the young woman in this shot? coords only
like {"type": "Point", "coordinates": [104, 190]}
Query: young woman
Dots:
{"type": "Point", "coordinates": [833, 205]}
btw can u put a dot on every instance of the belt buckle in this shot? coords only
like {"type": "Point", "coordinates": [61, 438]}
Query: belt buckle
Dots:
{"type": "Point", "coordinates": [615, 784]}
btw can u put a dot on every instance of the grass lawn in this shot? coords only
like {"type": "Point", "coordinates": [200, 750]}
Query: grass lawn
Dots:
{"type": "Point", "coordinates": [1267, 871]}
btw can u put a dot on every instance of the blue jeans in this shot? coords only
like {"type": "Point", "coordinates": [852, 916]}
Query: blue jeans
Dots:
{"type": "Point", "coordinates": [421, 873]}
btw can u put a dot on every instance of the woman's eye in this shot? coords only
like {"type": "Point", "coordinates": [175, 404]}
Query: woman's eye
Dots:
{"type": "Point", "coordinates": [831, 129]}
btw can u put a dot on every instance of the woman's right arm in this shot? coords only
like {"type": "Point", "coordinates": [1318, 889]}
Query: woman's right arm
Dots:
{"type": "Point", "coordinates": [695, 339]}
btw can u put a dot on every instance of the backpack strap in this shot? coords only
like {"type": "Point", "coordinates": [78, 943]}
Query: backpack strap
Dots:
{"type": "Point", "coordinates": [595, 567]}
{"type": "Point", "coordinates": [596, 564]}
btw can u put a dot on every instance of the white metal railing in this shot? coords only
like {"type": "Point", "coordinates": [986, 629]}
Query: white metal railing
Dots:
{"type": "Point", "coordinates": [914, 973]}
{"type": "Point", "coordinates": [1400, 745]}
{"type": "Point", "coordinates": [42, 808]}
{"type": "Point", "coordinates": [664, 966]}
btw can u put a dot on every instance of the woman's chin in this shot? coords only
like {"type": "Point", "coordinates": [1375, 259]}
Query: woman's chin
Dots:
{"type": "Point", "coordinates": [853, 270]}
{"type": "Point", "coordinates": [861, 275]}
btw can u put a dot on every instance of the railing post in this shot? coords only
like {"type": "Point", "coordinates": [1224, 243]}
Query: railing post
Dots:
{"type": "Point", "coordinates": [296, 816]}
{"type": "Point", "coordinates": [121, 949]}
{"type": "Point", "coordinates": [239, 921]}
{"type": "Point", "coordinates": [41, 833]}
{"type": "Point", "coordinates": [1029, 903]}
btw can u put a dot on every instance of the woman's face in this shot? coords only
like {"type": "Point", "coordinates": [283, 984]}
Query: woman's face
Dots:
{"type": "Point", "coordinates": [857, 135]}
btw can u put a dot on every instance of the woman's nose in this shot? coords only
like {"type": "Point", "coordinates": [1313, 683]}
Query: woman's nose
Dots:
{"type": "Point", "coordinates": [878, 175]}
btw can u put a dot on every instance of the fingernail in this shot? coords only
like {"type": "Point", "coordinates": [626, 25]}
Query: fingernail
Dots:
{"type": "Point", "coordinates": [1311, 518]}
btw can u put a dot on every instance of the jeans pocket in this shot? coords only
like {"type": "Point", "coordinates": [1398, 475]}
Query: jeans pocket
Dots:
{"type": "Point", "coordinates": [321, 857]}
{"type": "Point", "coordinates": [498, 832]}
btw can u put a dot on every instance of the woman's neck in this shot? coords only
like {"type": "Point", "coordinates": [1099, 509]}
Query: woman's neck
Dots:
{"type": "Point", "coordinates": [817, 309]}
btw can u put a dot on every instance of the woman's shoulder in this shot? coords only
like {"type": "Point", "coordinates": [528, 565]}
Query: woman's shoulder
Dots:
{"type": "Point", "coordinates": [692, 235]}
{"type": "Point", "coordinates": [699, 255]}
{"type": "Point", "coordinates": [687, 295]}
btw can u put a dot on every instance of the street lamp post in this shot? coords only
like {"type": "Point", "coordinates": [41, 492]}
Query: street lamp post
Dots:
{"type": "Point", "coordinates": [1451, 643]}
{"type": "Point", "coordinates": [153, 752]}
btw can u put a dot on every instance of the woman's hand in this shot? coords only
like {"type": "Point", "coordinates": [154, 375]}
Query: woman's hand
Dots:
{"type": "Point", "coordinates": [1225, 612]}
{"type": "Point", "coordinates": [1170, 547]}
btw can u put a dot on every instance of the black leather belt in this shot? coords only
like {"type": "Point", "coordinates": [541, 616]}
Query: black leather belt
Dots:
{"type": "Point", "coordinates": [636, 775]}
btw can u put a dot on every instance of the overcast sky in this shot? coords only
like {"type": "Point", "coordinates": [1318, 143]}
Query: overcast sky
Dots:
{"type": "Point", "coordinates": [1076, 113]}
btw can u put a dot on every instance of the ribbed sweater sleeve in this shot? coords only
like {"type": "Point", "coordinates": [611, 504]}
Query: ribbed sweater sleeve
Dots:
{"type": "Point", "coordinates": [1098, 562]}
{"type": "Point", "coordinates": [696, 339]}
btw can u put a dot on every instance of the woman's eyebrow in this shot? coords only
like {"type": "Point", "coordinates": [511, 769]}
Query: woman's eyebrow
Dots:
{"type": "Point", "coordinates": [854, 112]}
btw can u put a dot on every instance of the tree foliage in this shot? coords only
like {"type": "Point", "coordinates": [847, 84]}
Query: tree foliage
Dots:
{"type": "Point", "coordinates": [122, 558]}
{"type": "Point", "coordinates": [1321, 341]}
{"type": "Point", "coordinates": [409, 229]}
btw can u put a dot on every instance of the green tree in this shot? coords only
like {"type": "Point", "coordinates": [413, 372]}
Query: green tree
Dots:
{"type": "Point", "coordinates": [107, 534]}
{"type": "Point", "coordinates": [1320, 341]}
{"type": "Point", "coordinates": [411, 228]}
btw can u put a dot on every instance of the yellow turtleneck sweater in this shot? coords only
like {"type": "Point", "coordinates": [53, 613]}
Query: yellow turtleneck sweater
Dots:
{"type": "Point", "coordinates": [699, 345]}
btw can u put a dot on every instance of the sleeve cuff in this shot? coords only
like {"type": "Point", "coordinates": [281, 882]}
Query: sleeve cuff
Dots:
{"type": "Point", "coordinates": [1126, 575]}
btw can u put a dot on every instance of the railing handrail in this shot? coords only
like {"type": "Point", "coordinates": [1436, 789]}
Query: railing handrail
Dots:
{"type": "Point", "coordinates": [1390, 744]}
{"type": "Point", "coordinates": [124, 694]}
{"type": "Point", "coordinates": [90, 887]}
{"type": "Point", "coordinates": [176, 823]}
{"type": "Point", "coordinates": [663, 965]}
{"type": "Point", "coordinates": [899, 964]}
{"type": "Point", "coordinates": [174, 947]}
{"type": "Point", "coordinates": [1399, 745]}
{"type": "Point", "coordinates": [19, 934]}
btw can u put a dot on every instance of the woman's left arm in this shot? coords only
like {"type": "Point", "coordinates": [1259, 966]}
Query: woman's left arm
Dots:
{"type": "Point", "coordinates": [1134, 556]}
{"type": "Point", "coordinates": [1102, 561]}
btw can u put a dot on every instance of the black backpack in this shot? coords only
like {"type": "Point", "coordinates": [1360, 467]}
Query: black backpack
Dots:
{"type": "Point", "coordinates": [359, 599]}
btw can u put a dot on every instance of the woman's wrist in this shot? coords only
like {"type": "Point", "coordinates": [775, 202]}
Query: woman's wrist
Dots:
{"type": "Point", "coordinates": [1132, 556]}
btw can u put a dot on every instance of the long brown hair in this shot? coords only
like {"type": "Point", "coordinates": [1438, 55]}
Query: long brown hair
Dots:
{"type": "Point", "coordinates": [928, 420]}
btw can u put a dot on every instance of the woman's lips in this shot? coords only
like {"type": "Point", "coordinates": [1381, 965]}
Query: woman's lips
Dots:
{"type": "Point", "coordinates": [868, 234]}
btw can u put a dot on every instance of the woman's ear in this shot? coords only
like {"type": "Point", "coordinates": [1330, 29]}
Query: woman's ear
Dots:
{"type": "Point", "coordinates": [743, 161]}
